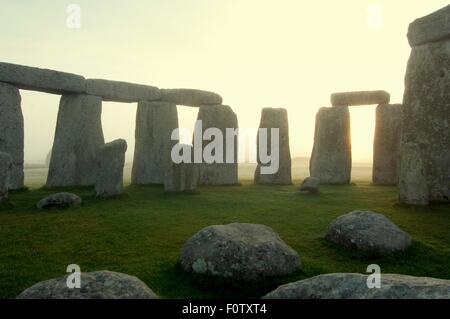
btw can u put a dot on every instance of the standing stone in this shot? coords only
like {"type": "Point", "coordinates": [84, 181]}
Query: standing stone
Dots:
{"type": "Point", "coordinates": [155, 122]}
{"type": "Point", "coordinates": [386, 144]}
{"type": "Point", "coordinates": [110, 163]}
{"type": "Point", "coordinates": [78, 136]}
{"type": "Point", "coordinates": [182, 177]}
{"type": "Point", "coordinates": [275, 118]}
{"type": "Point", "coordinates": [5, 173]}
{"type": "Point", "coordinates": [426, 112]}
{"type": "Point", "coordinates": [220, 117]}
{"type": "Point", "coordinates": [331, 159]}
{"type": "Point", "coordinates": [11, 132]}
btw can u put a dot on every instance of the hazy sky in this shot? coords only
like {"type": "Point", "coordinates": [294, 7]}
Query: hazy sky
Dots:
{"type": "Point", "coordinates": [255, 53]}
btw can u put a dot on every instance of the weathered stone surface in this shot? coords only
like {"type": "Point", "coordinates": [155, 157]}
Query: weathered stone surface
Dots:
{"type": "Point", "coordinates": [242, 252]}
{"type": "Point", "coordinates": [367, 232]}
{"type": "Point", "coordinates": [43, 80]}
{"type": "Point", "coordinates": [386, 144]}
{"type": "Point", "coordinates": [94, 285]}
{"type": "Point", "coordinates": [360, 98]}
{"type": "Point", "coordinates": [354, 286]}
{"type": "Point", "coordinates": [118, 91]}
{"type": "Point", "coordinates": [182, 177]}
{"type": "Point", "coordinates": [155, 122]}
{"type": "Point", "coordinates": [431, 28]}
{"type": "Point", "coordinates": [413, 187]}
{"type": "Point", "coordinates": [190, 97]}
{"type": "Point", "coordinates": [78, 137]}
{"type": "Point", "coordinates": [11, 131]}
{"type": "Point", "coordinates": [426, 118]}
{"type": "Point", "coordinates": [275, 118]}
{"type": "Point", "coordinates": [5, 173]}
{"type": "Point", "coordinates": [310, 184]}
{"type": "Point", "coordinates": [331, 158]}
{"type": "Point", "coordinates": [220, 117]}
{"type": "Point", "coordinates": [110, 163]}
{"type": "Point", "coordinates": [59, 200]}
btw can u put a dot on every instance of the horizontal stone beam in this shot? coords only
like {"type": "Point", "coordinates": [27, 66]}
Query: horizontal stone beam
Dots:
{"type": "Point", "coordinates": [431, 28]}
{"type": "Point", "coordinates": [117, 91]}
{"type": "Point", "coordinates": [43, 80]}
{"type": "Point", "coordinates": [360, 98]}
{"type": "Point", "coordinates": [190, 97]}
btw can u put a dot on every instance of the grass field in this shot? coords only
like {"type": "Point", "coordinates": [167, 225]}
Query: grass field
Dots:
{"type": "Point", "coordinates": [142, 232]}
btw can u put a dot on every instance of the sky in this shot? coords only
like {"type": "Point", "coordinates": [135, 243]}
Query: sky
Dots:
{"type": "Point", "coordinates": [254, 53]}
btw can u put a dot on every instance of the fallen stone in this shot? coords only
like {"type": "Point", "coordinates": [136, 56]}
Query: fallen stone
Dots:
{"type": "Point", "coordinates": [360, 98]}
{"type": "Point", "coordinates": [386, 145]}
{"type": "Point", "coordinates": [354, 286]}
{"type": "Point", "coordinates": [182, 177]}
{"type": "Point", "coordinates": [59, 200]}
{"type": "Point", "coordinates": [155, 122]}
{"type": "Point", "coordinates": [431, 28]}
{"type": "Point", "coordinates": [310, 184]}
{"type": "Point", "coordinates": [189, 97]}
{"type": "Point", "coordinates": [110, 163]}
{"type": "Point", "coordinates": [331, 158]}
{"type": "Point", "coordinates": [94, 285]}
{"type": "Point", "coordinates": [118, 91]}
{"type": "Point", "coordinates": [275, 118]}
{"type": "Point", "coordinates": [5, 173]}
{"type": "Point", "coordinates": [367, 231]}
{"type": "Point", "coordinates": [241, 252]}
{"type": "Point", "coordinates": [43, 80]}
{"type": "Point", "coordinates": [78, 137]}
{"type": "Point", "coordinates": [11, 132]}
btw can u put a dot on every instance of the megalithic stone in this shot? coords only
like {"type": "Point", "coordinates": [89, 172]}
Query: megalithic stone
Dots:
{"type": "Point", "coordinates": [155, 122]}
{"type": "Point", "coordinates": [11, 132]}
{"type": "Point", "coordinates": [220, 117]}
{"type": "Point", "coordinates": [331, 159]}
{"type": "Point", "coordinates": [5, 174]}
{"type": "Point", "coordinates": [110, 163]}
{"type": "Point", "coordinates": [275, 118]}
{"type": "Point", "coordinates": [78, 136]}
{"type": "Point", "coordinates": [386, 144]}
{"type": "Point", "coordinates": [182, 177]}
{"type": "Point", "coordinates": [413, 188]}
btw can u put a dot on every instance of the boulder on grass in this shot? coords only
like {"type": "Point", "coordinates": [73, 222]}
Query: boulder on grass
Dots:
{"type": "Point", "coordinates": [59, 200]}
{"type": "Point", "coordinates": [311, 185]}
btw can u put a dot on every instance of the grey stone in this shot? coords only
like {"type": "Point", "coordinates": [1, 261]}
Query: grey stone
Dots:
{"type": "Point", "coordinates": [386, 144]}
{"type": "Point", "coordinates": [189, 97]}
{"type": "Point", "coordinates": [118, 91]}
{"type": "Point", "coordinates": [78, 137]}
{"type": "Point", "coordinates": [360, 98]}
{"type": "Point", "coordinates": [11, 132]}
{"type": "Point", "coordinates": [220, 117]}
{"type": "Point", "coordinates": [155, 122]}
{"type": "Point", "coordinates": [241, 252]}
{"type": "Point", "coordinates": [367, 231]}
{"type": "Point", "coordinates": [413, 189]}
{"type": "Point", "coordinates": [426, 118]}
{"type": "Point", "coordinates": [43, 80]}
{"type": "Point", "coordinates": [354, 286]}
{"type": "Point", "coordinates": [310, 184]}
{"type": "Point", "coordinates": [331, 158]}
{"type": "Point", "coordinates": [275, 118]}
{"type": "Point", "coordinates": [110, 163]}
{"type": "Point", "coordinates": [94, 285]}
{"type": "Point", "coordinates": [431, 28]}
{"type": "Point", "coordinates": [5, 173]}
{"type": "Point", "coordinates": [182, 177]}
{"type": "Point", "coordinates": [59, 200]}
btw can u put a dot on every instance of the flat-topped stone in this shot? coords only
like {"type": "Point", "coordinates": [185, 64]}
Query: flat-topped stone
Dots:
{"type": "Point", "coordinates": [360, 98]}
{"type": "Point", "coordinates": [190, 97]}
{"type": "Point", "coordinates": [110, 163]}
{"type": "Point", "coordinates": [118, 91]}
{"type": "Point", "coordinates": [43, 80]}
{"type": "Point", "coordinates": [431, 28]}
{"type": "Point", "coordinates": [59, 200]}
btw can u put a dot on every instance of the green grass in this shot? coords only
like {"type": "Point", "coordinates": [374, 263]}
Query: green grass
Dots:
{"type": "Point", "coordinates": [142, 232]}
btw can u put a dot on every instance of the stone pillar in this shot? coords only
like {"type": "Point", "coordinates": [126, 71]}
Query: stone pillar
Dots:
{"type": "Point", "coordinates": [220, 117]}
{"type": "Point", "coordinates": [78, 136]}
{"type": "Point", "coordinates": [5, 174]}
{"type": "Point", "coordinates": [182, 177]}
{"type": "Point", "coordinates": [11, 132]}
{"type": "Point", "coordinates": [275, 118]}
{"type": "Point", "coordinates": [426, 112]}
{"type": "Point", "coordinates": [110, 163]}
{"type": "Point", "coordinates": [155, 122]}
{"type": "Point", "coordinates": [331, 159]}
{"type": "Point", "coordinates": [386, 144]}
